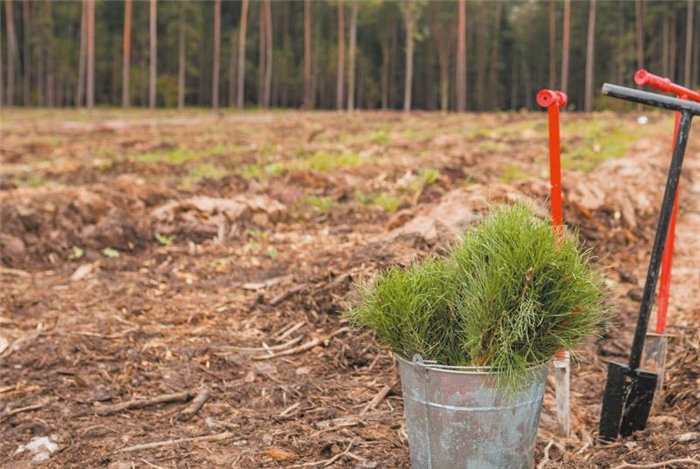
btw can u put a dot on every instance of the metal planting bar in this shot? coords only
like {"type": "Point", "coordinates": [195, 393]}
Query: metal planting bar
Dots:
{"type": "Point", "coordinates": [629, 390]}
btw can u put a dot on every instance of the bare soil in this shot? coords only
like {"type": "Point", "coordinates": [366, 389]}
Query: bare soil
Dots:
{"type": "Point", "coordinates": [151, 254]}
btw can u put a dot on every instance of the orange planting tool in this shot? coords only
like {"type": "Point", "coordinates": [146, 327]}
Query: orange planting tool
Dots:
{"type": "Point", "coordinates": [657, 342]}
{"type": "Point", "coordinates": [553, 100]}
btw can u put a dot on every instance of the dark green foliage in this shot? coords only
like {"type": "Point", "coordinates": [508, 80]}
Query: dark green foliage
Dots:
{"type": "Point", "coordinates": [509, 296]}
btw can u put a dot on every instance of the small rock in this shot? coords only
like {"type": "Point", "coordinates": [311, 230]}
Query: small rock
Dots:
{"type": "Point", "coordinates": [41, 448]}
{"type": "Point", "coordinates": [684, 438]}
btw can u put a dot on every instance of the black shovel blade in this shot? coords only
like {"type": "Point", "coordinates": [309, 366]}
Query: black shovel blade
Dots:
{"type": "Point", "coordinates": [627, 401]}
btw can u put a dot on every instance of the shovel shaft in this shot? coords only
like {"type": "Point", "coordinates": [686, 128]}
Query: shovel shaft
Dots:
{"type": "Point", "coordinates": [667, 261]}
{"type": "Point", "coordinates": [660, 238]}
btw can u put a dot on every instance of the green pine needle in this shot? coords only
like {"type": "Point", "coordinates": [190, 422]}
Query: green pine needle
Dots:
{"type": "Point", "coordinates": [509, 296]}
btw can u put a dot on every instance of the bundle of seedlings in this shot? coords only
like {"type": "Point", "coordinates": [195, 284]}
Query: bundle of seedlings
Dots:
{"type": "Point", "coordinates": [509, 296]}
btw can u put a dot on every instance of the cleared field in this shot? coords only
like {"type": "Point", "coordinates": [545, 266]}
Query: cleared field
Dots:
{"type": "Point", "coordinates": [155, 253]}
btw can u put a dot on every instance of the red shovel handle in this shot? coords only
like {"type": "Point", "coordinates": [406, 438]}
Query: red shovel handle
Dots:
{"type": "Point", "coordinates": [552, 100]}
{"type": "Point", "coordinates": [642, 77]}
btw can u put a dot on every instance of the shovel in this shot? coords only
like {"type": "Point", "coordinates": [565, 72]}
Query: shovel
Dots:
{"type": "Point", "coordinates": [657, 341]}
{"type": "Point", "coordinates": [629, 390]}
{"type": "Point", "coordinates": [552, 100]}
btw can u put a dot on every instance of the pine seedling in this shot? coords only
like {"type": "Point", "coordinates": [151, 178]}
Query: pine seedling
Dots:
{"type": "Point", "coordinates": [523, 294]}
{"type": "Point", "coordinates": [412, 311]}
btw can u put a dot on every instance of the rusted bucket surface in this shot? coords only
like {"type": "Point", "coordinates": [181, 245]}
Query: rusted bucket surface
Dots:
{"type": "Point", "coordinates": [458, 419]}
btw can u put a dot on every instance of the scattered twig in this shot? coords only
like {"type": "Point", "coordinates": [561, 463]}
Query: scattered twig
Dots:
{"type": "Point", "coordinates": [158, 444]}
{"type": "Point", "coordinates": [12, 412]}
{"type": "Point", "coordinates": [293, 351]}
{"type": "Point", "coordinates": [151, 464]}
{"type": "Point", "coordinates": [379, 397]}
{"type": "Point", "coordinates": [545, 459]}
{"type": "Point", "coordinates": [284, 295]}
{"type": "Point", "coordinates": [330, 461]}
{"type": "Point", "coordinates": [196, 404]}
{"type": "Point", "coordinates": [140, 403]}
{"type": "Point", "coordinates": [233, 348]}
{"type": "Point", "coordinates": [670, 462]}
{"type": "Point", "coordinates": [286, 333]}
{"type": "Point", "coordinates": [290, 410]}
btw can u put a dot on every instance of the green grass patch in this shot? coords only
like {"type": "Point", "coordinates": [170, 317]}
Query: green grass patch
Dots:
{"type": "Point", "coordinates": [512, 173]}
{"type": "Point", "coordinates": [384, 200]}
{"type": "Point", "coordinates": [601, 142]}
{"type": "Point", "coordinates": [202, 171]}
{"type": "Point", "coordinates": [179, 155]}
{"type": "Point", "coordinates": [380, 138]}
{"type": "Point", "coordinates": [510, 295]}
{"type": "Point", "coordinates": [322, 204]}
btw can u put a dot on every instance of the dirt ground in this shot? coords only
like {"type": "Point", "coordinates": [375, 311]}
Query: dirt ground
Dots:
{"type": "Point", "coordinates": [183, 255]}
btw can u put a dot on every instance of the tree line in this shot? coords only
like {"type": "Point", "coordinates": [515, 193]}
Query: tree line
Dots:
{"type": "Point", "coordinates": [337, 54]}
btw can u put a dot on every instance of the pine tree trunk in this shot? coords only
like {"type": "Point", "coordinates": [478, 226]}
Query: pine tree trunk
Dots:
{"type": "Point", "coordinates": [385, 70]}
{"type": "Point", "coordinates": [2, 76]}
{"type": "Point", "coordinates": [351, 55]}
{"type": "Point", "coordinates": [566, 39]}
{"type": "Point", "coordinates": [696, 59]}
{"type": "Point", "coordinates": [153, 56]}
{"type": "Point", "coordinates": [688, 44]}
{"type": "Point", "coordinates": [261, 52]}
{"type": "Point", "coordinates": [232, 71]}
{"type": "Point", "coordinates": [217, 56]}
{"type": "Point", "coordinates": [672, 47]}
{"type": "Point", "coordinates": [552, 45]}
{"type": "Point", "coordinates": [461, 78]}
{"type": "Point", "coordinates": [241, 53]}
{"type": "Point", "coordinates": [493, 82]}
{"type": "Point", "coordinates": [269, 50]}
{"type": "Point", "coordinates": [49, 66]}
{"type": "Point", "coordinates": [181, 60]}
{"type": "Point", "coordinates": [340, 85]}
{"type": "Point", "coordinates": [308, 104]}
{"type": "Point", "coordinates": [126, 54]}
{"type": "Point", "coordinates": [590, 57]}
{"type": "Point", "coordinates": [90, 54]}
{"type": "Point", "coordinates": [639, 21]}
{"type": "Point", "coordinates": [82, 67]}
{"type": "Point", "coordinates": [409, 64]}
{"type": "Point", "coordinates": [27, 53]}
{"type": "Point", "coordinates": [11, 53]}
{"type": "Point", "coordinates": [39, 56]}
{"type": "Point", "coordinates": [481, 64]}
{"type": "Point", "coordinates": [664, 41]}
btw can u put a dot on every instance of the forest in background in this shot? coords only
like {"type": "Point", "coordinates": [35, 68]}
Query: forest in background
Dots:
{"type": "Point", "coordinates": [334, 54]}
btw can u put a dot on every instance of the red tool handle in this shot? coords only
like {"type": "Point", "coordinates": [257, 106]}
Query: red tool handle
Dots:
{"type": "Point", "coordinates": [552, 100]}
{"type": "Point", "coordinates": [642, 77]}
{"type": "Point", "coordinates": [667, 260]}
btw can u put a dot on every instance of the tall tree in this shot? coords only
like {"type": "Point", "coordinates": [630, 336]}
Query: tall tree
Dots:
{"type": "Point", "coordinates": [308, 97]}
{"type": "Point", "coordinates": [82, 60]}
{"type": "Point", "coordinates": [494, 64]}
{"type": "Point", "coordinates": [232, 70]}
{"type": "Point", "coordinates": [411, 12]}
{"type": "Point", "coordinates": [11, 52]}
{"type": "Point", "coordinates": [461, 78]}
{"type": "Point", "coordinates": [181, 58]}
{"type": "Point", "coordinates": [217, 55]}
{"type": "Point", "coordinates": [126, 53]}
{"type": "Point", "coordinates": [241, 53]}
{"type": "Point", "coordinates": [49, 54]}
{"type": "Point", "coordinates": [26, 71]}
{"type": "Point", "coordinates": [262, 37]}
{"type": "Point", "coordinates": [688, 44]}
{"type": "Point", "coordinates": [565, 44]}
{"type": "Point", "coordinates": [590, 57]}
{"type": "Point", "coordinates": [90, 54]}
{"type": "Point", "coordinates": [269, 50]}
{"type": "Point", "coordinates": [352, 53]}
{"type": "Point", "coordinates": [639, 23]}
{"type": "Point", "coordinates": [340, 75]}
{"type": "Point", "coordinates": [153, 56]}
{"type": "Point", "coordinates": [2, 80]}
{"type": "Point", "coordinates": [552, 45]}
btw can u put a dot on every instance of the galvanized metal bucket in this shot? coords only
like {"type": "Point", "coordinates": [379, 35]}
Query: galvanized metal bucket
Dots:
{"type": "Point", "coordinates": [457, 418]}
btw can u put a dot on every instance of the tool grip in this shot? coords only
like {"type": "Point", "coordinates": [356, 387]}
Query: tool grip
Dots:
{"type": "Point", "coordinates": [642, 77]}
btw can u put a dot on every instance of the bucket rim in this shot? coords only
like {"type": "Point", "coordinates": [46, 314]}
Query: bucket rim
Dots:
{"type": "Point", "coordinates": [465, 370]}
